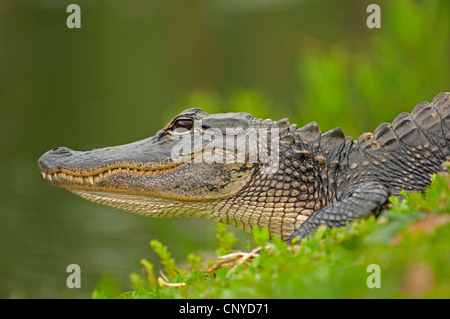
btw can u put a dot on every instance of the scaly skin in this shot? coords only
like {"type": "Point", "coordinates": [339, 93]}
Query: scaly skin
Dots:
{"type": "Point", "coordinates": [311, 178]}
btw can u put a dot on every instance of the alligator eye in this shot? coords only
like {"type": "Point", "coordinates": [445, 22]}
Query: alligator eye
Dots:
{"type": "Point", "coordinates": [182, 125]}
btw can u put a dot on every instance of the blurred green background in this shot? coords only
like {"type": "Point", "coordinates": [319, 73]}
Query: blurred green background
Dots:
{"type": "Point", "coordinates": [135, 64]}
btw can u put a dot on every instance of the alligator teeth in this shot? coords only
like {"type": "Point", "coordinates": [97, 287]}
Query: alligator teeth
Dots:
{"type": "Point", "coordinates": [81, 179]}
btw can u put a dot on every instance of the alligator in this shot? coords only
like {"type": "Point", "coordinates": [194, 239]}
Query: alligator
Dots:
{"type": "Point", "coordinates": [243, 171]}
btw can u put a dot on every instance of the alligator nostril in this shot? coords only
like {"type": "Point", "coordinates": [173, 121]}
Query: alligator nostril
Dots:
{"type": "Point", "coordinates": [61, 150]}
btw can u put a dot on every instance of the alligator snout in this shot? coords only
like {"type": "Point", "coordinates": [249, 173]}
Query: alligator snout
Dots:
{"type": "Point", "coordinates": [53, 159]}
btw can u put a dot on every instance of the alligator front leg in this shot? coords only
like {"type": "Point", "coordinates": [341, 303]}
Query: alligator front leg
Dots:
{"type": "Point", "coordinates": [363, 201]}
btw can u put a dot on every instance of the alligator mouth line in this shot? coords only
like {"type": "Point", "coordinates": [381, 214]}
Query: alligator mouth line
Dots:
{"type": "Point", "coordinates": [63, 175]}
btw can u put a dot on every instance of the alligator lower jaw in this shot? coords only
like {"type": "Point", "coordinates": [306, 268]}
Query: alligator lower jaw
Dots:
{"type": "Point", "coordinates": [143, 205]}
{"type": "Point", "coordinates": [91, 180]}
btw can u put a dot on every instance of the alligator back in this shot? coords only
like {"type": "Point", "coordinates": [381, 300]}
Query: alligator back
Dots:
{"type": "Point", "coordinates": [407, 152]}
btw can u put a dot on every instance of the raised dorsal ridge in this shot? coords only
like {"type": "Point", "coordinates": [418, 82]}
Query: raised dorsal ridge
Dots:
{"type": "Point", "coordinates": [332, 138]}
{"type": "Point", "coordinates": [310, 132]}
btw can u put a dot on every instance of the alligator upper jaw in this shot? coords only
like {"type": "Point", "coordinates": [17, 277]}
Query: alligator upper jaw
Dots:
{"type": "Point", "coordinates": [126, 168]}
{"type": "Point", "coordinates": [143, 168]}
{"type": "Point", "coordinates": [95, 179]}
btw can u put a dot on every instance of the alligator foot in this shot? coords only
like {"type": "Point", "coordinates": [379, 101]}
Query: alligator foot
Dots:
{"type": "Point", "coordinates": [367, 199]}
{"type": "Point", "coordinates": [234, 260]}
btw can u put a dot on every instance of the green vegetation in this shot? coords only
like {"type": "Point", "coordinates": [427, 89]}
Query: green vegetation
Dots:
{"type": "Point", "coordinates": [409, 243]}
{"type": "Point", "coordinates": [361, 89]}
{"type": "Point", "coordinates": [389, 72]}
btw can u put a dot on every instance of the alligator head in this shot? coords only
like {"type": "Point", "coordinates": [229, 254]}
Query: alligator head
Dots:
{"type": "Point", "coordinates": [217, 166]}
